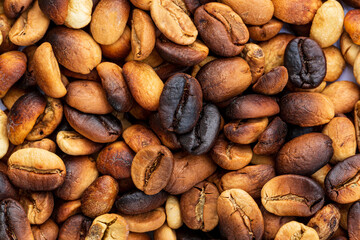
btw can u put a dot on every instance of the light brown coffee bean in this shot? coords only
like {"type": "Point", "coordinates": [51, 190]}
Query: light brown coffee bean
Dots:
{"type": "Point", "coordinates": [239, 215]}
{"type": "Point", "coordinates": [138, 136]}
{"type": "Point", "coordinates": [349, 49]}
{"type": "Point", "coordinates": [36, 169]}
{"type": "Point", "coordinates": [30, 27]}
{"type": "Point", "coordinates": [72, 143]}
{"type": "Point", "coordinates": [265, 31]}
{"type": "Point", "coordinates": [342, 133]}
{"type": "Point", "coordinates": [335, 63]}
{"type": "Point", "coordinates": [292, 195]}
{"type": "Point", "coordinates": [293, 230]}
{"type": "Point", "coordinates": [119, 49]}
{"type": "Point", "coordinates": [38, 206]}
{"type": "Point", "coordinates": [272, 82]}
{"type": "Point", "coordinates": [151, 168]}
{"type": "Point", "coordinates": [48, 230]}
{"type": "Point", "coordinates": [171, 19]}
{"type": "Point", "coordinates": [319, 175]}
{"type": "Point", "coordinates": [66, 210]}
{"type": "Point", "coordinates": [108, 227]}
{"type": "Point", "coordinates": [99, 197]}
{"type": "Point", "coordinates": [165, 233]}
{"type": "Point", "coordinates": [108, 21]}
{"type": "Point", "coordinates": [198, 207]}
{"type": "Point", "coordinates": [350, 25]}
{"type": "Point", "coordinates": [326, 221]}
{"type": "Point", "coordinates": [146, 222]}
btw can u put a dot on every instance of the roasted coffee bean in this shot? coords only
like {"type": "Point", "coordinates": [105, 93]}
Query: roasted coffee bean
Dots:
{"type": "Point", "coordinates": [296, 230]}
{"type": "Point", "coordinates": [66, 210]}
{"type": "Point", "coordinates": [137, 202]}
{"type": "Point", "coordinates": [202, 137]}
{"type": "Point", "coordinates": [223, 79]}
{"type": "Point", "coordinates": [252, 106]}
{"type": "Point", "coordinates": [188, 171]}
{"type": "Point", "coordinates": [76, 227]}
{"type": "Point", "coordinates": [14, 223]}
{"type": "Point", "coordinates": [326, 221]}
{"type": "Point", "coordinates": [273, 223]}
{"type": "Point", "coordinates": [304, 155]}
{"type": "Point", "coordinates": [13, 8]}
{"type": "Point", "coordinates": [198, 207]}
{"type": "Point", "coordinates": [353, 221]}
{"type": "Point", "coordinates": [292, 195]}
{"type": "Point", "coordinates": [146, 222]}
{"type": "Point", "coordinates": [239, 215]}
{"type": "Point", "coordinates": [114, 84]}
{"type": "Point", "coordinates": [251, 179]}
{"type": "Point", "coordinates": [271, 140]}
{"type": "Point", "coordinates": [120, 49]}
{"type": "Point", "coordinates": [36, 169]}
{"type": "Point", "coordinates": [342, 182]}
{"type": "Point", "coordinates": [255, 57]}
{"type": "Point", "coordinates": [167, 138]}
{"type": "Point", "coordinates": [38, 206]}
{"type": "Point", "coordinates": [272, 82]}
{"type": "Point", "coordinates": [319, 175]}
{"type": "Point", "coordinates": [23, 115]}
{"type": "Point", "coordinates": [173, 21]}
{"type": "Point", "coordinates": [305, 62]}
{"type": "Point", "coordinates": [222, 30]}
{"type": "Point", "coordinates": [180, 103]}
{"type": "Point", "coordinates": [182, 55]}
{"type": "Point", "coordinates": [165, 233]}
{"type": "Point", "coordinates": [266, 31]}
{"type": "Point", "coordinates": [151, 168]}
{"type": "Point", "coordinates": [115, 160]}
{"type": "Point", "coordinates": [99, 197]}
{"type": "Point", "coordinates": [306, 109]}
{"type": "Point", "coordinates": [229, 155]}
{"type": "Point", "coordinates": [77, 168]}
{"type": "Point", "coordinates": [335, 63]}
{"type": "Point", "coordinates": [7, 190]}
{"type": "Point", "coordinates": [97, 128]}
{"type": "Point", "coordinates": [108, 227]}
{"type": "Point", "coordinates": [138, 136]}
{"type": "Point", "coordinates": [72, 143]}
{"type": "Point", "coordinates": [48, 230]}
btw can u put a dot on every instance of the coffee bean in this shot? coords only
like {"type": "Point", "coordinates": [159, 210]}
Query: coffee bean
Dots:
{"type": "Point", "coordinates": [107, 227]}
{"type": "Point", "coordinates": [180, 103]}
{"type": "Point", "coordinates": [202, 137]}
{"type": "Point", "coordinates": [342, 182]}
{"type": "Point", "coordinates": [14, 223]}
{"type": "Point", "coordinates": [353, 221]}
{"type": "Point", "coordinates": [76, 227]}
{"type": "Point", "coordinates": [305, 62]}
{"type": "Point", "coordinates": [292, 195]}
{"type": "Point", "coordinates": [295, 229]}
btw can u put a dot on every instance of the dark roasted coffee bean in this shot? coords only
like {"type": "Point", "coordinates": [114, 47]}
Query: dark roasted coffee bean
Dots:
{"type": "Point", "coordinates": [296, 131]}
{"type": "Point", "coordinates": [305, 62]}
{"type": "Point", "coordinates": [137, 202]}
{"type": "Point", "coordinates": [202, 137]}
{"type": "Point", "coordinates": [14, 223]}
{"type": "Point", "coordinates": [180, 103]}
{"type": "Point", "coordinates": [7, 190]}
{"type": "Point", "coordinates": [353, 221]}
{"type": "Point", "coordinates": [342, 182]}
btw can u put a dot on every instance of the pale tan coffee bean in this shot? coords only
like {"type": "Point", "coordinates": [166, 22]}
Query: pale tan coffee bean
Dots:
{"type": "Point", "coordinates": [349, 49]}
{"type": "Point", "coordinates": [4, 140]}
{"type": "Point", "coordinates": [78, 13]}
{"type": "Point", "coordinates": [335, 63]}
{"type": "Point", "coordinates": [296, 230]}
{"type": "Point", "coordinates": [164, 233]}
{"type": "Point", "coordinates": [173, 213]}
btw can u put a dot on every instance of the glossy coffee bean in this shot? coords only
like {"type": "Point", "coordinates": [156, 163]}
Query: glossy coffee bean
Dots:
{"type": "Point", "coordinates": [97, 128]}
{"type": "Point", "coordinates": [137, 202]}
{"type": "Point", "coordinates": [76, 228]}
{"type": "Point", "coordinates": [239, 215]}
{"type": "Point", "coordinates": [167, 138]}
{"type": "Point", "coordinates": [304, 155]}
{"type": "Point", "coordinates": [305, 62]}
{"type": "Point", "coordinates": [198, 207]}
{"type": "Point", "coordinates": [14, 223]}
{"type": "Point", "coordinates": [292, 195]}
{"type": "Point", "coordinates": [202, 137]}
{"type": "Point", "coordinates": [180, 103]}
{"type": "Point", "coordinates": [151, 168]}
{"type": "Point", "coordinates": [342, 182]}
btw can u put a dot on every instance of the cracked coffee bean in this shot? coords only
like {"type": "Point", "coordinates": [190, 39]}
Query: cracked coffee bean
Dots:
{"type": "Point", "coordinates": [239, 215]}
{"type": "Point", "coordinates": [198, 207]}
{"type": "Point", "coordinates": [108, 227]}
{"type": "Point", "coordinates": [180, 103]}
{"type": "Point", "coordinates": [305, 62]}
{"type": "Point", "coordinates": [202, 137]}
